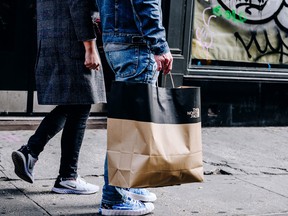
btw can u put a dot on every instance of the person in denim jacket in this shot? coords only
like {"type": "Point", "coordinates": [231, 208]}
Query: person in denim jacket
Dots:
{"type": "Point", "coordinates": [136, 50]}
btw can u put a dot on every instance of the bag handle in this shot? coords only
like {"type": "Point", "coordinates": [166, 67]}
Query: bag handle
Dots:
{"type": "Point", "coordinates": [165, 80]}
{"type": "Point", "coordinates": [172, 81]}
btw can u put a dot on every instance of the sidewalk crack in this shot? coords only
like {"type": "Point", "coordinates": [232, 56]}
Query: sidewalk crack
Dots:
{"type": "Point", "coordinates": [6, 178]}
{"type": "Point", "coordinates": [36, 203]}
{"type": "Point", "coordinates": [282, 195]}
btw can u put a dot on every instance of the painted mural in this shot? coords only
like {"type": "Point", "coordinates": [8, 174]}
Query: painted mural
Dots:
{"type": "Point", "coordinates": [249, 31]}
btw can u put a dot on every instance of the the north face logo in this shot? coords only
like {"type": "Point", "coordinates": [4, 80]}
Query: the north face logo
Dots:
{"type": "Point", "coordinates": [195, 113]}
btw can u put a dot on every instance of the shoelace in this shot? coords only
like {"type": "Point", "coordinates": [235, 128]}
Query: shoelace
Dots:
{"type": "Point", "coordinates": [127, 199]}
{"type": "Point", "coordinates": [78, 179]}
{"type": "Point", "coordinates": [138, 191]}
{"type": "Point", "coordinates": [81, 181]}
{"type": "Point", "coordinates": [132, 202]}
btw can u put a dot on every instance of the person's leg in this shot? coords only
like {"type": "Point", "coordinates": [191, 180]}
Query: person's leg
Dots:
{"type": "Point", "coordinates": [133, 63]}
{"type": "Point", "coordinates": [25, 158]}
{"type": "Point", "coordinates": [68, 180]}
{"type": "Point", "coordinates": [71, 140]}
{"type": "Point", "coordinates": [110, 194]}
{"type": "Point", "coordinates": [48, 128]}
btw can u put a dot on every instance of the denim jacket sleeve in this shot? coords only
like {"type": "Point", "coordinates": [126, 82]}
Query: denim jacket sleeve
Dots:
{"type": "Point", "coordinates": [148, 17]}
{"type": "Point", "coordinates": [80, 11]}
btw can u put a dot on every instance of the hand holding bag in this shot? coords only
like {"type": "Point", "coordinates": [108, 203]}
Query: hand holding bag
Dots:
{"type": "Point", "coordinates": [153, 135]}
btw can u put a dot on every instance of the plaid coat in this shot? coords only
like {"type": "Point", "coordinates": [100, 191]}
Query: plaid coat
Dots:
{"type": "Point", "coordinates": [61, 77]}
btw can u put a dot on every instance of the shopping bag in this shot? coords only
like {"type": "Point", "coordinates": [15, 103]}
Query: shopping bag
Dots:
{"type": "Point", "coordinates": [153, 135]}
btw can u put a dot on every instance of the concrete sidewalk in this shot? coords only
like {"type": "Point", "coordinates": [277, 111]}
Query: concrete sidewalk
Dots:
{"type": "Point", "coordinates": [246, 173]}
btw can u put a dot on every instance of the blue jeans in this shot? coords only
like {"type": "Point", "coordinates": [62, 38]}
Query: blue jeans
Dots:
{"type": "Point", "coordinates": [72, 119]}
{"type": "Point", "coordinates": [133, 63]}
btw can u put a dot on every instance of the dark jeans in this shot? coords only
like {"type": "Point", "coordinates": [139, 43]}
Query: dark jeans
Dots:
{"type": "Point", "coordinates": [72, 119]}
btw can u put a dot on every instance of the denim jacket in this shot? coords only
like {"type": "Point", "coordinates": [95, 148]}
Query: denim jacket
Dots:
{"type": "Point", "coordinates": [133, 21]}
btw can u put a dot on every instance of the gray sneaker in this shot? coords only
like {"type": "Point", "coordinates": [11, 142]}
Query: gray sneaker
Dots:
{"type": "Point", "coordinates": [24, 164]}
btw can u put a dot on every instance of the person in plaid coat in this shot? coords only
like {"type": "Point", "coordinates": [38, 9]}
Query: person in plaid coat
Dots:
{"type": "Point", "coordinates": [69, 75]}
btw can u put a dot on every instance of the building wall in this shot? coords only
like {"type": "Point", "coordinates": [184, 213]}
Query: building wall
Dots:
{"type": "Point", "coordinates": [238, 57]}
{"type": "Point", "coordinates": [17, 57]}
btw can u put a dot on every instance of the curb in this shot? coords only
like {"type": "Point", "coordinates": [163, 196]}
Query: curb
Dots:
{"type": "Point", "coordinates": [28, 123]}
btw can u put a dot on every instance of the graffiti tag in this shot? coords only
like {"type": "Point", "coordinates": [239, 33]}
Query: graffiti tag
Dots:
{"type": "Point", "coordinates": [268, 49]}
{"type": "Point", "coordinates": [204, 34]}
{"type": "Point", "coordinates": [229, 15]}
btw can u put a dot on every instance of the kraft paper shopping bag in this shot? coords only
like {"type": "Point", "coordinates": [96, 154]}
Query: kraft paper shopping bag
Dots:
{"type": "Point", "coordinates": [154, 135]}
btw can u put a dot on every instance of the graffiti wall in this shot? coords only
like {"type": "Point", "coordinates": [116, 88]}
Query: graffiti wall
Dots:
{"type": "Point", "coordinates": [240, 31]}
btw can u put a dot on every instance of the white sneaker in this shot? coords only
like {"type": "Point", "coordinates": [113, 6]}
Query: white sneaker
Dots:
{"type": "Point", "coordinates": [74, 186]}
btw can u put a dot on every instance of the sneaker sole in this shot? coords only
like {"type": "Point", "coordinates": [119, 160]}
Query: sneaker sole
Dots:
{"type": "Point", "coordinates": [149, 208]}
{"type": "Point", "coordinates": [20, 167]}
{"type": "Point", "coordinates": [71, 191]}
{"type": "Point", "coordinates": [142, 198]}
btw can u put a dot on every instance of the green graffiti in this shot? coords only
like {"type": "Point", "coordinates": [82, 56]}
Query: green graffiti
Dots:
{"type": "Point", "coordinates": [229, 15]}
